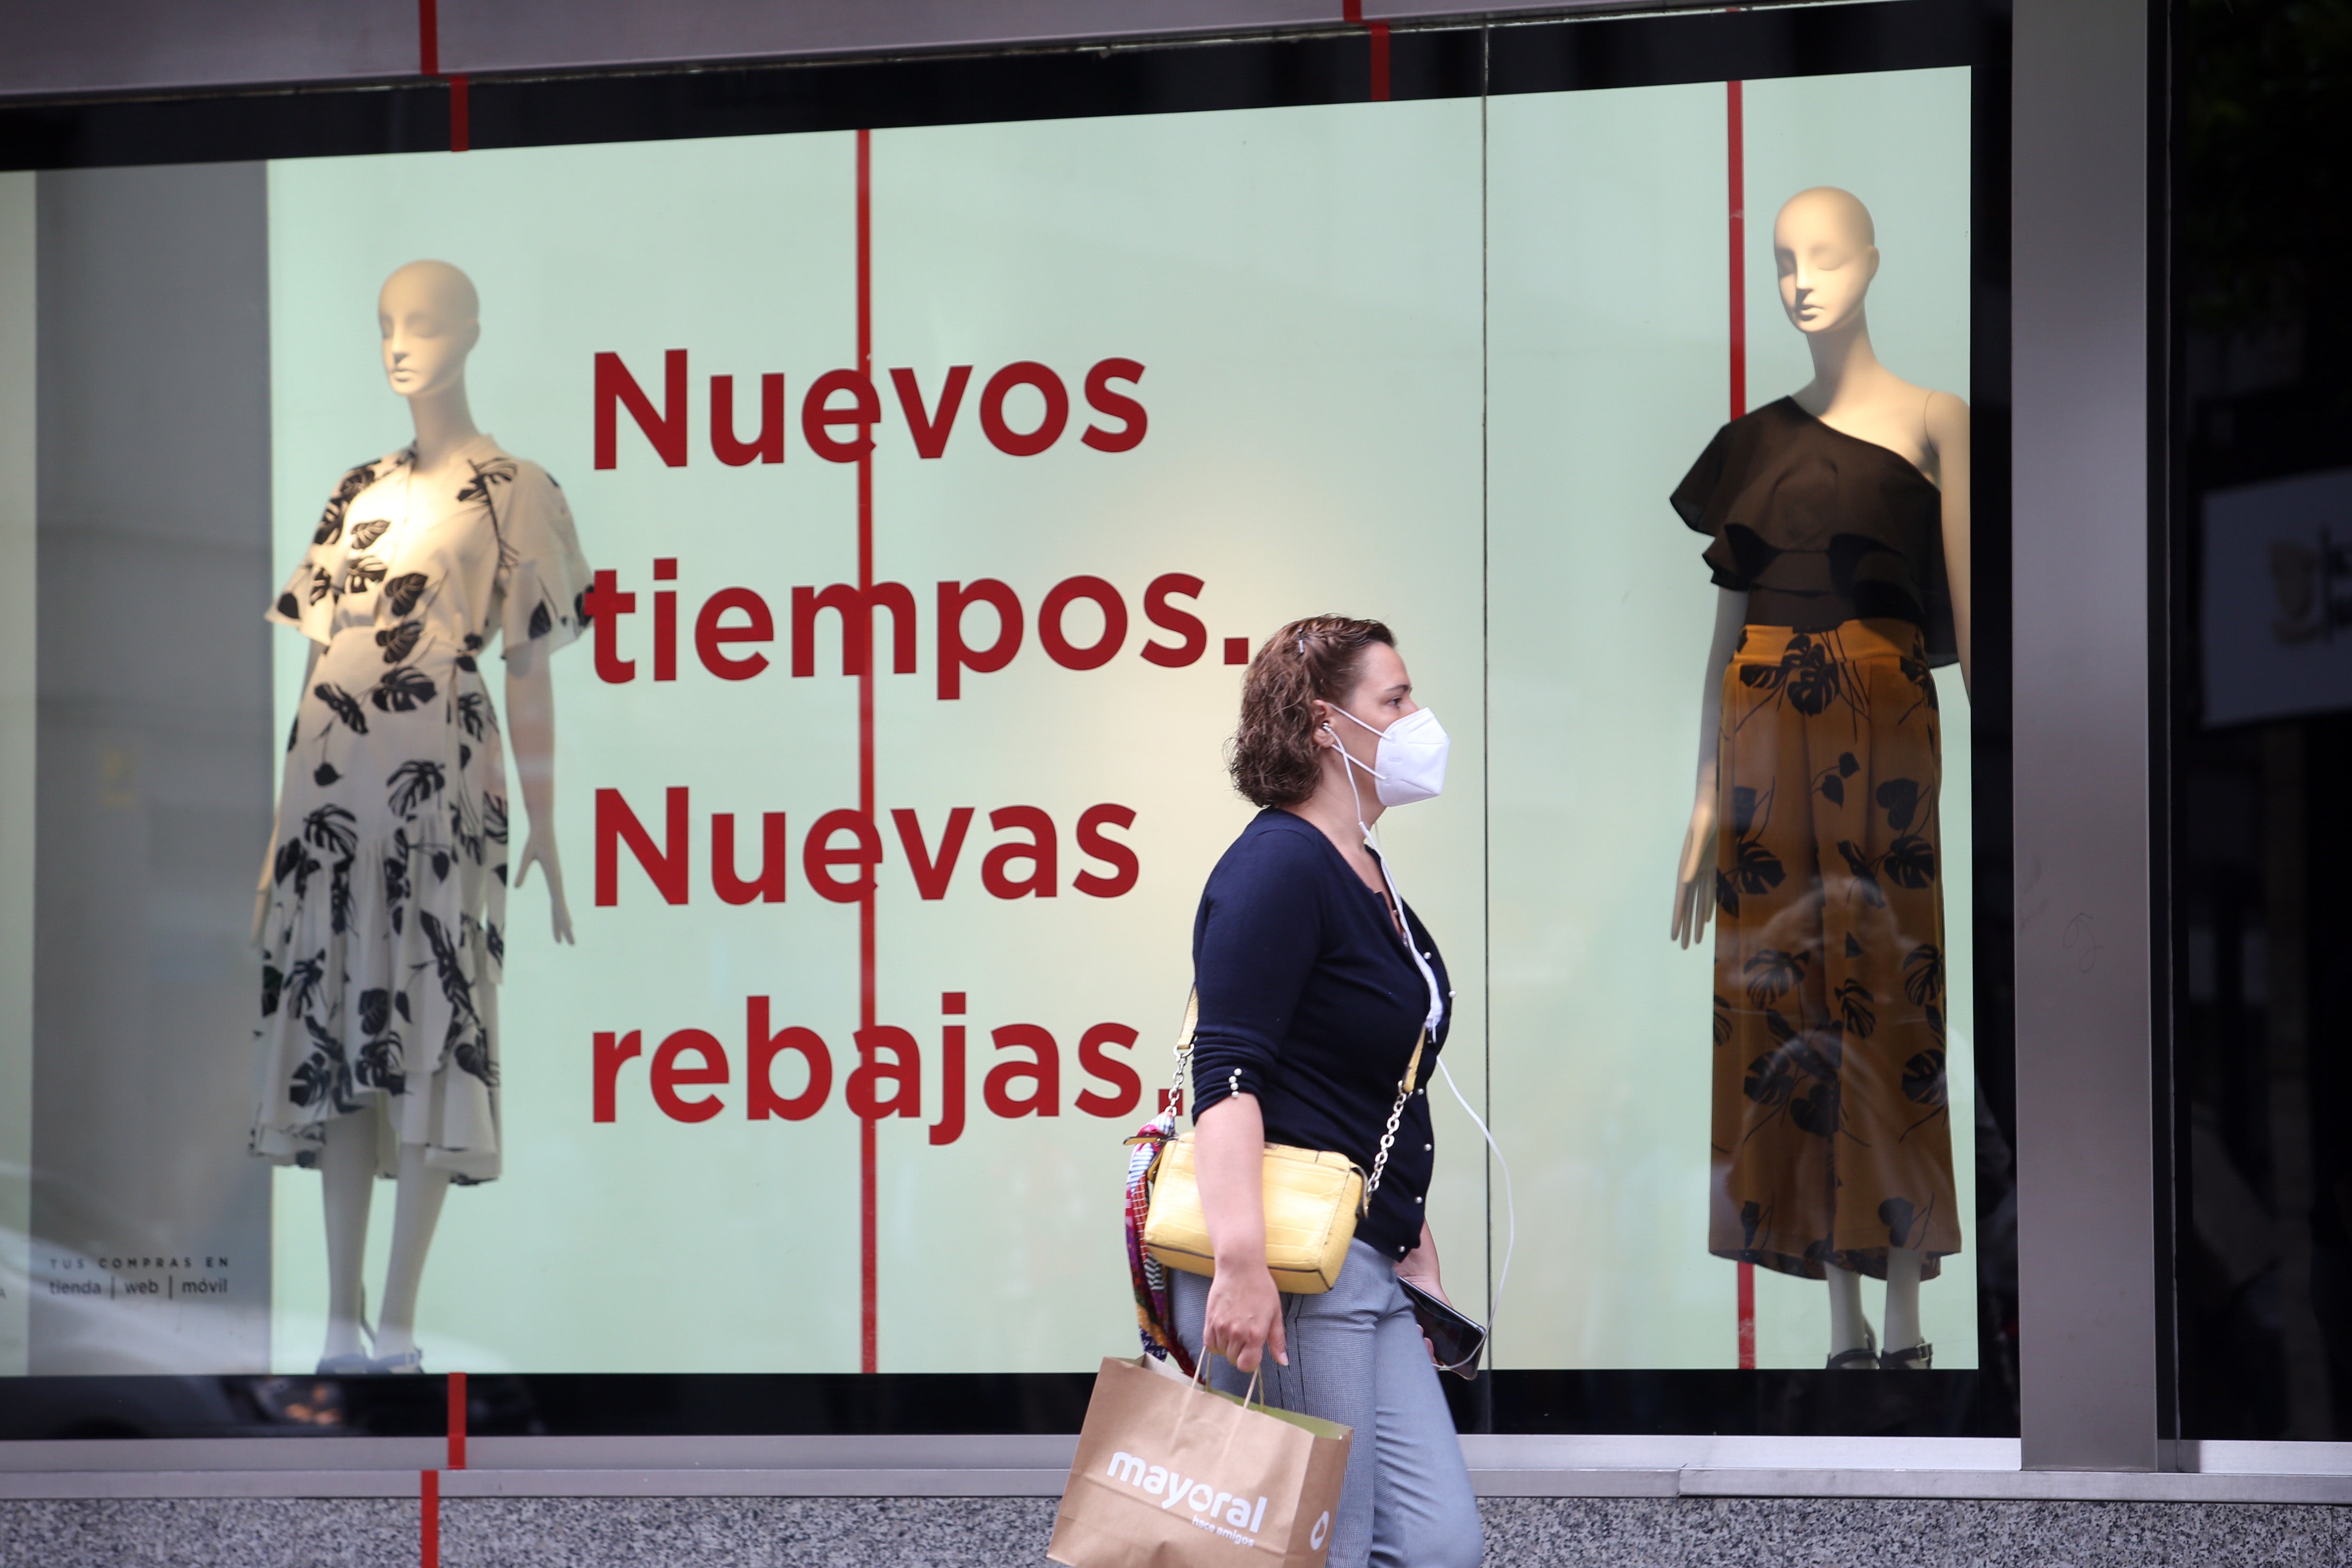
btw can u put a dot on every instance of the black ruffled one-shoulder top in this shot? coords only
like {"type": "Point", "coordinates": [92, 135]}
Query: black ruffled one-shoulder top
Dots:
{"type": "Point", "coordinates": [1818, 527]}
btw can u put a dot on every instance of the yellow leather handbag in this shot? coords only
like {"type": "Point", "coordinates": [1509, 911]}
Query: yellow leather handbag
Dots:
{"type": "Point", "coordinates": [1313, 1196]}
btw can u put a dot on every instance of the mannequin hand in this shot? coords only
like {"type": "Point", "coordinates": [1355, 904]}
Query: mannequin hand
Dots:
{"type": "Point", "coordinates": [1244, 1318]}
{"type": "Point", "coordinates": [1695, 878]}
{"type": "Point", "coordinates": [535, 852]}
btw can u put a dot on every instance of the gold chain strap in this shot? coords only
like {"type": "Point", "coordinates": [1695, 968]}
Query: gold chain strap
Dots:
{"type": "Point", "coordinates": [1396, 1114]}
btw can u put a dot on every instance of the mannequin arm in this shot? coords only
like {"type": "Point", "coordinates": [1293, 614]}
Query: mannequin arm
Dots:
{"type": "Point", "coordinates": [1694, 885]}
{"type": "Point", "coordinates": [269, 850]}
{"type": "Point", "coordinates": [530, 726]}
{"type": "Point", "coordinates": [1948, 428]}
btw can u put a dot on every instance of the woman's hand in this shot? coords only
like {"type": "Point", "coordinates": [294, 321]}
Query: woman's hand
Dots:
{"type": "Point", "coordinates": [1695, 878]}
{"type": "Point", "coordinates": [542, 853]}
{"type": "Point", "coordinates": [1244, 1317]}
{"type": "Point", "coordinates": [1419, 1269]}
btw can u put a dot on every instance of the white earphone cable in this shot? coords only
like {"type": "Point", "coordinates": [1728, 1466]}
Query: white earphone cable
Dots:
{"type": "Point", "coordinates": [1510, 1208]}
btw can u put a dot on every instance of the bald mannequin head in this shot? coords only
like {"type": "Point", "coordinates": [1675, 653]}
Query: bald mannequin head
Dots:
{"type": "Point", "coordinates": [1826, 250]}
{"type": "Point", "coordinates": [427, 313]}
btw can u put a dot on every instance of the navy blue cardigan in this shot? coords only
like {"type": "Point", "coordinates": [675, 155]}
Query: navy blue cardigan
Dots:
{"type": "Point", "coordinates": [1310, 1001]}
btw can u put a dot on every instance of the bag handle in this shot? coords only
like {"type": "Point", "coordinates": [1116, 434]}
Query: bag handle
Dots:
{"type": "Point", "coordinates": [1396, 1111]}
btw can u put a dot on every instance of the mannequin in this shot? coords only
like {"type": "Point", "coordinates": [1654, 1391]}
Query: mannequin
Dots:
{"type": "Point", "coordinates": [1773, 568]}
{"type": "Point", "coordinates": [421, 560]}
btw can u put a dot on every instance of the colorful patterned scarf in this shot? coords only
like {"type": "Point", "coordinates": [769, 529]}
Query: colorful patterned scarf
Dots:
{"type": "Point", "coordinates": [1155, 1315]}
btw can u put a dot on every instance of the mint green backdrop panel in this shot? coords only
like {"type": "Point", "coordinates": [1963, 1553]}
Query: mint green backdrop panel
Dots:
{"type": "Point", "coordinates": [1608, 371]}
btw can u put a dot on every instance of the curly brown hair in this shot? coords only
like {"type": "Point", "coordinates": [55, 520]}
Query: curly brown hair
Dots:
{"type": "Point", "coordinates": [1273, 756]}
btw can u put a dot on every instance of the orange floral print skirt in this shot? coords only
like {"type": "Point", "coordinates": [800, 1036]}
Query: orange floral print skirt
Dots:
{"type": "Point", "coordinates": [1832, 1126]}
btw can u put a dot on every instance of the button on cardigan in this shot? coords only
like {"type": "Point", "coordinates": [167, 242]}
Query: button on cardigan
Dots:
{"type": "Point", "coordinates": [1309, 1002]}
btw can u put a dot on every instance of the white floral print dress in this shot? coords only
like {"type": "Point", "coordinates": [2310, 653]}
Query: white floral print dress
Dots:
{"type": "Point", "coordinates": [385, 934]}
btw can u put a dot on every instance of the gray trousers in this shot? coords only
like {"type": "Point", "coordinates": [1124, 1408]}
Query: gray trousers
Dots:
{"type": "Point", "coordinates": [1357, 1356]}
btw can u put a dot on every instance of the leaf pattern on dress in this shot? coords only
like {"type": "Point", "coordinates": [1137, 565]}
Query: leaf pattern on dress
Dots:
{"type": "Point", "coordinates": [497, 471]}
{"type": "Point", "coordinates": [410, 865]}
{"type": "Point", "coordinates": [329, 1076]}
{"type": "Point", "coordinates": [379, 1066]}
{"type": "Point", "coordinates": [303, 978]}
{"type": "Point", "coordinates": [1772, 975]}
{"type": "Point", "coordinates": [1854, 1010]}
{"type": "Point", "coordinates": [343, 705]}
{"type": "Point", "coordinates": [455, 988]}
{"type": "Point", "coordinates": [402, 592]}
{"type": "Point", "coordinates": [364, 572]}
{"type": "Point", "coordinates": [1923, 973]}
{"type": "Point", "coordinates": [1923, 1082]}
{"type": "Point", "coordinates": [463, 835]}
{"type": "Point", "coordinates": [1831, 780]}
{"type": "Point", "coordinates": [474, 714]}
{"type": "Point", "coordinates": [331, 521]}
{"type": "Point", "coordinates": [398, 642]}
{"type": "Point", "coordinates": [473, 1055]}
{"type": "Point", "coordinates": [1865, 872]}
{"type": "Point", "coordinates": [1807, 676]}
{"type": "Point", "coordinates": [1910, 861]}
{"type": "Point", "coordinates": [334, 829]}
{"type": "Point", "coordinates": [341, 908]}
{"type": "Point", "coordinates": [403, 690]}
{"type": "Point", "coordinates": [1755, 870]}
{"type": "Point", "coordinates": [1899, 798]}
{"type": "Point", "coordinates": [411, 785]}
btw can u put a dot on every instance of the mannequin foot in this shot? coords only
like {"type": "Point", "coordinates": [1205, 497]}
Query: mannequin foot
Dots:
{"type": "Point", "coordinates": [344, 1363]}
{"type": "Point", "coordinates": [1920, 1357]}
{"type": "Point", "coordinates": [410, 1362]}
{"type": "Point", "coordinates": [1854, 1360]}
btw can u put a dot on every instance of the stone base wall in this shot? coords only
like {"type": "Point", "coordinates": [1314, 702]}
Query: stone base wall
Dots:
{"type": "Point", "coordinates": [1011, 1533]}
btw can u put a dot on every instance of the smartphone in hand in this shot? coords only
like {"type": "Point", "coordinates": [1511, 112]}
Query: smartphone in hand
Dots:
{"type": "Point", "coordinates": [1459, 1340]}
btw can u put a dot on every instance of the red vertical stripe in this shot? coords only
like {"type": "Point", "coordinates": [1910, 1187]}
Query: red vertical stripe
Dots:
{"type": "Point", "coordinates": [428, 1531]}
{"type": "Point", "coordinates": [456, 1420]}
{"type": "Point", "coordinates": [461, 115]}
{"type": "Point", "coordinates": [429, 38]}
{"type": "Point", "coordinates": [1735, 168]}
{"type": "Point", "coordinates": [1352, 13]}
{"type": "Point", "coordinates": [868, 1355]}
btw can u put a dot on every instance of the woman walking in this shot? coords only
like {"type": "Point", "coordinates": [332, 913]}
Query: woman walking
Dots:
{"type": "Point", "coordinates": [1316, 983]}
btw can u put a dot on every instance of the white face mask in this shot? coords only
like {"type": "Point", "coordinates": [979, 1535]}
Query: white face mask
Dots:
{"type": "Point", "coordinates": [1408, 766]}
{"type": "Point", "coordinates": [1411, 763]}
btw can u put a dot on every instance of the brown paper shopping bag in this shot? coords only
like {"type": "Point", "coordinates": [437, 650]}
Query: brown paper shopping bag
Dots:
{"type": "Point", "coordinates": [1171, 1474]}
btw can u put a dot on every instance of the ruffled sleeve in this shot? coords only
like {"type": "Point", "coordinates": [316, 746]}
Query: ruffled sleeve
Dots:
{"type": "Point", "coordinates": [307, 603]}
{"type": "Point", "coordinates": [544, 579]}
{"type": "Point", "coordinates": [1702, 500]}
